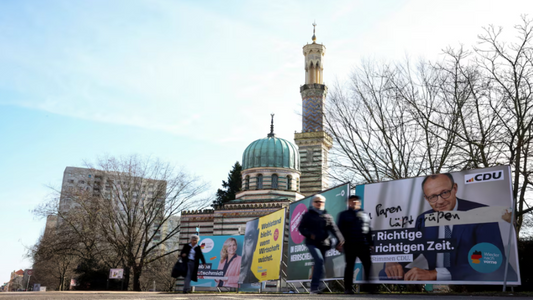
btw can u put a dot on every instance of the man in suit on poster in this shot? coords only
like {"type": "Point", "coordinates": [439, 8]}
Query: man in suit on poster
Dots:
{"type": "Point", "coordinates": [440, 191]}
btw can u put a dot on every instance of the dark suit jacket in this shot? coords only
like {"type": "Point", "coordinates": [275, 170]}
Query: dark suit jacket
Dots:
{"type": "Point", "coordinates": [198, 255]}
{"type": "Point", "coordinates": [465, 237]}
{"type": "Point", "coordinates": [351, 227]}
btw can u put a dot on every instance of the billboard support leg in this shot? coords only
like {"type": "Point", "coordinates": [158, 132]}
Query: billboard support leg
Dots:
{"type": "Point", "coordinates": [306, 290]}
{"type": "Point", "coordinates": [386, 287]}
{"type": "Point", "coordinates": [326, 285]}
{"type": "Point", "coordinates": [290, 284]}
{"type": "Point", "coordinates": [508, 252]}
{"type": "Point", "coordinates": [341, 284]}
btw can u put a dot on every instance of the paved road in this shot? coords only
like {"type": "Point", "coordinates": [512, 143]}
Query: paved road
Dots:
{"type": "Point", "coordinates": [206, 296]}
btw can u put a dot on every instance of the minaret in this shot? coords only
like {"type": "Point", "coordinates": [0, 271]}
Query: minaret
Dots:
{"type": "Point", "coordinates": [313, 142]}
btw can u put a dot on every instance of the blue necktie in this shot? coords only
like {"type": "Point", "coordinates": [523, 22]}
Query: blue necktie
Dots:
{"type": "Point", "coordinates": [447, 235]}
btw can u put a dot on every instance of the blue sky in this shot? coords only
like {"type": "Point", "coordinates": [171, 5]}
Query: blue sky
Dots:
{"type": "Point", "coordinates": [191, 82]}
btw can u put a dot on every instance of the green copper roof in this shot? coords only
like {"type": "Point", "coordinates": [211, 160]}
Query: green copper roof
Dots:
{"type": "Point", "coordinates": [271, 152]}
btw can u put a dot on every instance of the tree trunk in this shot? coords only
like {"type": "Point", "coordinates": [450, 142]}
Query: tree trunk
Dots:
{"type": "Point", "coordinates": [126, 278]}
{"type": "Point", "coordinates": [137, 270]}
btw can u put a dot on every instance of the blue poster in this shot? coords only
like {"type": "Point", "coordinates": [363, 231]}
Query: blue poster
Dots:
{"type": "Point", "coordinates": [223, 254]}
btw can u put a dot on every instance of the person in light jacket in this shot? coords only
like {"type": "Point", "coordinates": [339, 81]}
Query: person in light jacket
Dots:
{"type": "Point", "coordinates": [191, 254]}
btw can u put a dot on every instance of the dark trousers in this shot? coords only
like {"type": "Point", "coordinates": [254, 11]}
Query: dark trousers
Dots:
{"type": "Point", "coordinates": [351, 252]}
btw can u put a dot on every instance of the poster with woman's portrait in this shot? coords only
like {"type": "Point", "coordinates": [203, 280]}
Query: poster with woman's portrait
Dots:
{"type": "Point", "coordinates": [223, 255]}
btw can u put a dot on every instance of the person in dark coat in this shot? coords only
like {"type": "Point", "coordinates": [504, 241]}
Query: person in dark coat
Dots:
{"type": "Point", "coordinates": [316, 226]}
{"type": "Point", "coordinates": [354, 225]}
{"type": "Point", "coordinates": [191, 255]}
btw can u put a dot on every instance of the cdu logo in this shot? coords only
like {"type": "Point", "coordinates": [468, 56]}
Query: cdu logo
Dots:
{"type": "Point", "coordinates": [483, 177]}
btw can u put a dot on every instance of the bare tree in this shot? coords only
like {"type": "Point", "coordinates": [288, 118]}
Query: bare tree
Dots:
{"type": "Point", "coordinates": [384, 125]}
{"type": "Point", "coordinates": [76, 234]}
{"type": "Point", "coordinates": [510, 66]}
{"type": "Point", "coordinates": [120, 217]}
{"type": "Point", "coordinates": [472, 109]}
{"type": "Point", "coordinates": [158, 273]}
{"type": "Point", "coordinates": [52, 264]}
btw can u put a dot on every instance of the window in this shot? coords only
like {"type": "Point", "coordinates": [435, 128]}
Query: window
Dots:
{"type": "Point", "coordinates": [259, 185]}
{"type": "Point", "coordinates": [247, 183]}
{"type": "Point", "coordinates": [274, 181]}
{"type": "Point", "coordinates": [289, 183]}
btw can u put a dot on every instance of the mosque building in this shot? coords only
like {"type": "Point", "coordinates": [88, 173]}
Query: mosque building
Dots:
{"type": "Point", "coordinates": [275, 171]}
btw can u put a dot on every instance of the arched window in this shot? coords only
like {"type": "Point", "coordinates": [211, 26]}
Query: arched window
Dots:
{"type": "Point", "coordinates": [289, 183]}
{"type": "Point", "coordinates": [247, 183]}
{"type": "Point", "coordinates": [298, 184]}
{"type": "Point", "coordinates": [274, 181]}
{"type": "Point", "coordinates": [259, 184]}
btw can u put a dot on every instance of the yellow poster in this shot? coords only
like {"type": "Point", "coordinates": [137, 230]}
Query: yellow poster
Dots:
{"type": "Point", "coordinates": [266, 262]}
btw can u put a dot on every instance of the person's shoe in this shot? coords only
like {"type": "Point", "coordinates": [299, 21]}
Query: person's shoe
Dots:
{"type": "Point", "coordinates": [349, 292]}
{"type": "Point", "coordinates": [315, 292]}
{"type": "Point", "coordinates": [185, 292]}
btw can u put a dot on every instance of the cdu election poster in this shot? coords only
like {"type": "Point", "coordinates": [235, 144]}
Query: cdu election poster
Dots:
{"type": "Point", "coordinates": [300, 263]}
{"type": "Point", "coordinates": [452, 228]}
{"type": "Point", "coordinates": [222, 254]}
{"type": "Point", "coordinates": [263, 248]}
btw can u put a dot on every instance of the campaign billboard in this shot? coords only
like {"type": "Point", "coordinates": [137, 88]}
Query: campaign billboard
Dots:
{"type": "Point", "coordinates": [300, 263]}
{"type": "Point", "coordinates": [223, 261]}
{"type": "Point", "coordinates": [263, 248]}
{"type": "Point", "coordinates": [450, 228]}
{"type": "Point", "coordinates": [116, 273]}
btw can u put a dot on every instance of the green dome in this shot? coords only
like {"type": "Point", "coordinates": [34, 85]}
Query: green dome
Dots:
{"type": "Point", "coordinates": [271, 152]}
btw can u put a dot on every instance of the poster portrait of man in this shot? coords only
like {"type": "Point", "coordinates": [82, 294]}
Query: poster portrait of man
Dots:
{"type": "Point", "coordinates": [250, 243]}
{"type": "Point", "coordinates": [446, 228]}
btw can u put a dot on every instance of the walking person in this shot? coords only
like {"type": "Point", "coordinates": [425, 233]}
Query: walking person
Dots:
{"type": "Point", "coordinates": [316, 226]}
{"type": "Point", "coordinates": [191, 255]}
{"type": "Point", "coordinates": [354, 225]}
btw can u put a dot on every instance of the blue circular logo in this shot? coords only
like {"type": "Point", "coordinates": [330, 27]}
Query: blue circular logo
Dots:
{"type": "Point", "coordinates": [485, 258]}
